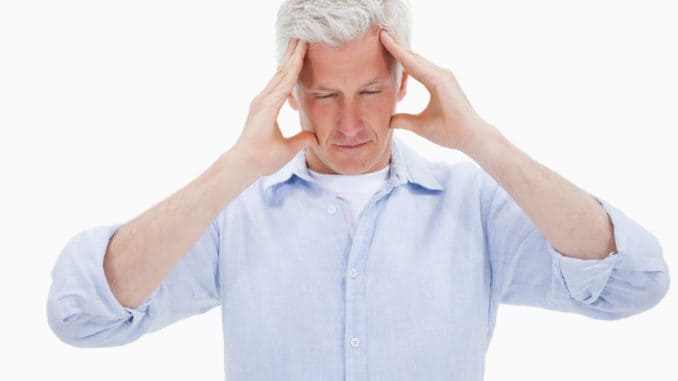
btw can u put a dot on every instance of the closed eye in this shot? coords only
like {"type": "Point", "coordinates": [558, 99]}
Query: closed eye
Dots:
{"type": "Point", "coordinates": [331, 95]}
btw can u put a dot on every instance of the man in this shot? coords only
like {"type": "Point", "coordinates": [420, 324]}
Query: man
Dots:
{"type": "Point", "coordinates": [339, 253]}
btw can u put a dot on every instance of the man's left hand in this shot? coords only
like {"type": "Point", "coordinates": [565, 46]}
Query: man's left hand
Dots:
{"type": "Point", "coordinates": [449, 119]}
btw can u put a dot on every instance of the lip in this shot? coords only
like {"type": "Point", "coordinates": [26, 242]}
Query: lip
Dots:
{"type": "Point", "coordinates": [357, 146]}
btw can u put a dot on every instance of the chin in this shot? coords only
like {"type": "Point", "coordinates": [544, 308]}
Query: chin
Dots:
{"type": "Point", "coordinates": [351, 166]}
{"type": "Point", "coordinates": [348, 162]}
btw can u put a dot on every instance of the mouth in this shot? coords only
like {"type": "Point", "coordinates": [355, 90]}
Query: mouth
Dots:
{"type": "Point", "coordinates": [351, 147]}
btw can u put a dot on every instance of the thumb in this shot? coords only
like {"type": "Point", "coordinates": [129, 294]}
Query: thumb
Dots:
{"type": "Point", "coordinates": [404, 121]}
{"type": "Point", "coordinates": [302, 140]}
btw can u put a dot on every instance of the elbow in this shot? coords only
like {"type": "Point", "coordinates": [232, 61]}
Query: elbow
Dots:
{"type": "Point", "coordinates": [642, 296]}
{"type": "Point", "coordinates": [639, 285]}
{"type": "Point", "coordinates": [653, 286]}
{"type": "Point", "coordinates": [81, 311]}
{"type": "Point", "coordinates": [64, 323]}
{"type": "Point", "coordinates": [658, 288]}
{"type": "Point", "coordinates": [77, 328]}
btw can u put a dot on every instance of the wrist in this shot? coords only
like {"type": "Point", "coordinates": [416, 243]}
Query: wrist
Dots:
{"type": "Point", "coordinates": [478, 139]}
{"type": "Point", "coordinates": [244, 160]}
{"type": "Point", "coordinates": [238, 165]}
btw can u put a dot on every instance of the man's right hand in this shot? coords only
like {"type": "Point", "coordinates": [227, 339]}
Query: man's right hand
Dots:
{"type": "Point", "coordinates": [142, 252]}
{"type": "Point", "coordinates": [261, 144]}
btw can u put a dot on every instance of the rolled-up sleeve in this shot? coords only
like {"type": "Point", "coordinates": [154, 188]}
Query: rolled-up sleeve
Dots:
{"type": "Point", "coordinates": [82, 310]}
{"type": "Point", "coordinates": [527, 270]}
{"type": "Point", "coordinates": [633, 279]}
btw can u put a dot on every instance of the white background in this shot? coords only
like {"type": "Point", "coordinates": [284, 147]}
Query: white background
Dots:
{"type": "Point", "coordinates": [109, 107]}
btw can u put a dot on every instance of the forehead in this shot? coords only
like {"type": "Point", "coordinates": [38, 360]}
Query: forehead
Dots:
{"type": "Point", "coordinates": [355, 62]}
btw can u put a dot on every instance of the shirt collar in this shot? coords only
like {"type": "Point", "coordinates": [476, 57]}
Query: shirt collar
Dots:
{"type": "Point", "coordinates": [406, 167]}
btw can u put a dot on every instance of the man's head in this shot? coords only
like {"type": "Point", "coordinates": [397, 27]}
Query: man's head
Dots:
{"type": "Point", "coordinates": [349, 84]}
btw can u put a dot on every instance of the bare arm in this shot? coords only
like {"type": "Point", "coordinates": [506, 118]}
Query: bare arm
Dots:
{"type": "Point", "coordinates": [144, 251]}
{"type": "Point", "coordinates": [571, 219]}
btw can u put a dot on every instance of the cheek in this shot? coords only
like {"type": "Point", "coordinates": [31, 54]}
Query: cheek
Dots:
{"type": "Point", "coordinates": [318, 117]}
{"type": "Point", "coordinates": [322, 110]}
{"type": "Point", "coordinates": [379, 108]}
{"type": "Point", "coordinates": [380, 112]}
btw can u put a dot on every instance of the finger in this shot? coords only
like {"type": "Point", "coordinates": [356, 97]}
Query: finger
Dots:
{"type": "Point", "coordinates": [290, 49]}
{"type": "Point", "coordinates": [291, 69]}
{"type": "Point", "coordinates": [290, 52]}
{"type": "Point", "coordinates": [287, 76]}
{"type": "Point", "coordinates": [417, 66]}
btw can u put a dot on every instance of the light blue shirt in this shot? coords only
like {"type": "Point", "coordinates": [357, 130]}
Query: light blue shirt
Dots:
{"type": "Point", "coordinates": [413, 296]}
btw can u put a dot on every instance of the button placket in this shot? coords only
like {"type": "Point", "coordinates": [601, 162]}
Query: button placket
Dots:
{"type": "Point", "coordinates": [355, 323]}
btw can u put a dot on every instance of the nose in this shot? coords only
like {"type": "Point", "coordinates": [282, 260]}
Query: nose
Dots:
{"type": "Point", "coordinates": [350, 123]}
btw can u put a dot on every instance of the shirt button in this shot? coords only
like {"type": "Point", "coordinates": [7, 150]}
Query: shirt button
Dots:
{"type": "Point", "coordinates": [353, 273]}
{"type": "Point", "coordinates": [355, 342]}
{"type": "Point", "coordinates": [331, 209]}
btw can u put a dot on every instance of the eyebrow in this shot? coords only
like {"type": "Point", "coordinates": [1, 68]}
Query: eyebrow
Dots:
{"type": "Point", "coordinates": [329, 89]}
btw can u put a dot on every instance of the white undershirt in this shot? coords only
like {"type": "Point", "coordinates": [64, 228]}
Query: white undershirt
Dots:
{"type": "Point", "coordinates": [354, 190]}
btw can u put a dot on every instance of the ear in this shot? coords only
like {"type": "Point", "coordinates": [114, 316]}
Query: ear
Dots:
{"type": "Point", "coordinates": [403, 86]}
{"type": "Point", "coordinates": [292, 101]}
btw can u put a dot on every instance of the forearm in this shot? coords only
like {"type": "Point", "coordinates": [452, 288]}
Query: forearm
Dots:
{"type": "Point", "coordinates": [574, 223]}
{"type": "Point", "coordinates": [144, 251]}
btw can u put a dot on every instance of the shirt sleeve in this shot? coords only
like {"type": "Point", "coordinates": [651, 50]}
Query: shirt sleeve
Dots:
{"type": "Point", "coordinates": [527, 270]}
{"type": "Point", "coordinates": [82, 310]}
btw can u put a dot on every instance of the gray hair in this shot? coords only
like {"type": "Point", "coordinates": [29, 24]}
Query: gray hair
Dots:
{"type": "Point", "coordinates": [336, 22]}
